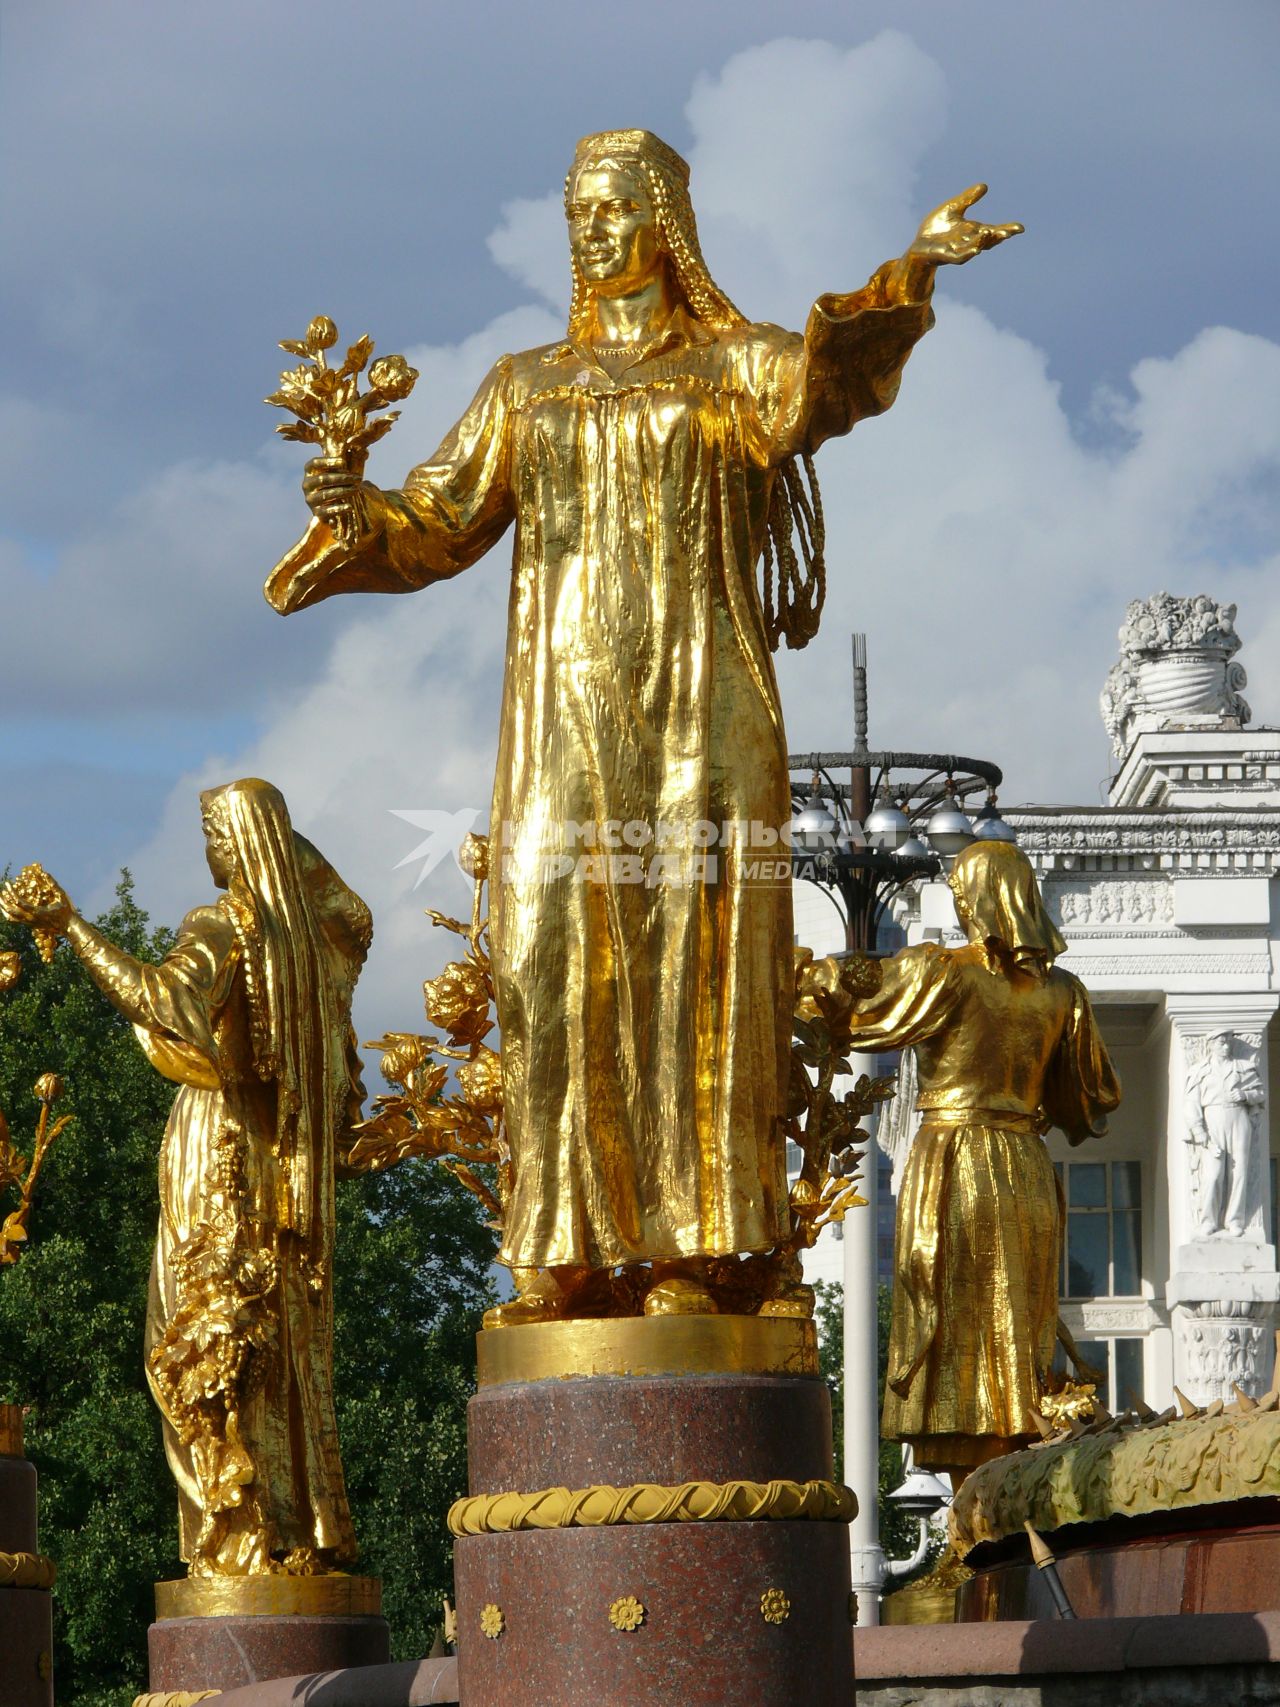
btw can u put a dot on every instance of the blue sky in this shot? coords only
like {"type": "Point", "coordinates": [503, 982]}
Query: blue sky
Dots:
{"type": "Point", "coordinates": [1096, 415]}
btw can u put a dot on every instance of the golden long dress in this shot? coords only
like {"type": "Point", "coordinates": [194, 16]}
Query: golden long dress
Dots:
{"type": "Point", "coordinates": [645, 1025]}
{"type": "Point", "coordinates": [192, 1017]}
{"type": "Point", "coordinates": [1002, 1055]}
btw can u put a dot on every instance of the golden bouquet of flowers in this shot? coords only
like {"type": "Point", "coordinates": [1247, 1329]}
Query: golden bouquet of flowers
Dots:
{"type": "Point", "coordinates": [331, 410]}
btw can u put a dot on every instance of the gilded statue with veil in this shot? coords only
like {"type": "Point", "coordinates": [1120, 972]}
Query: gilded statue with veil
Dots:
{"type": "Point", "coordinates": [647, 463]}
{"type": "Point", "coordinates": [249, 1014]}
{"type": "Point", "coordinates": [1006, 1048]}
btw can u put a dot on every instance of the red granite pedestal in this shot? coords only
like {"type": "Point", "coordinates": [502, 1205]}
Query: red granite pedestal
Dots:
{"type": "Point", "coordinates": [223, 1633]}
{"type": "Point", "coordinates": [26, 1611]}
{"type": "Point", "coordinates": [739, 1613]}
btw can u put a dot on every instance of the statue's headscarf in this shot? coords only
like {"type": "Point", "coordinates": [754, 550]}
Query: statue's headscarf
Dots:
{"type": "Point", "coordinates": [999, 903]}
{"type": "Point", "coordinates": [792, 612]}
{"type": "Point", "coordinates": [299, 989]}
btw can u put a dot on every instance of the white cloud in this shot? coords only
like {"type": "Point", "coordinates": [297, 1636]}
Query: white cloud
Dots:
{"type": "Point", "coordinates": [155, 604]}
{"type": "Point", "coordinates": [804, 165]}
{"type": "Point", "coordinates": [529, 243]}
{"type": "Point", "coordinates": [987, 550]}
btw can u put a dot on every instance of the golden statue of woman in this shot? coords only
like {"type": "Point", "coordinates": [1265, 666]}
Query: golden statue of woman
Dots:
{"type": "Point", "coordinates": [647, 462]}
{"type": "Point", "coordinates": [250, 1014]}
{"type": "Point", "coordinates": [1006, 1048]}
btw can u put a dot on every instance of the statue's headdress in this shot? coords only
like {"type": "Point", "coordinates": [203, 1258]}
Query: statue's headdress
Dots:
{"type": "Point", "coordinates": [298, 987]}
{"type": "Point", "coordinates": [793, 609]}
{"type": "Point", "coordinates": [1000, 905]}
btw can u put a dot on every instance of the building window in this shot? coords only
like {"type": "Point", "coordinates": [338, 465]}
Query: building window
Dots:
{"type": "Point", "coordinates": [1102, 1251]}
{"type": "Point", "coordinates": [1120, 1361]}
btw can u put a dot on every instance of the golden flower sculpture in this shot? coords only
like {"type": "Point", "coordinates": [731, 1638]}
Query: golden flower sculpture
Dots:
{"type": "Point", "coordinates": [331, 410]}
{"type": "Point", "coordinates": [492, 1621]}
{"type": "Point", "coordinates": [10, 970]}
{"type": "Point", "coordinates": [1074, 1400]}
{"type": "Point", "coordinates": [775, 1607]}
{"type": "Point", "coordinates": [627, 1613]}
{"type": "Point", "coordinates": [204, 1360]}
{"type": "Point", "coordinates": [458, 1000]}
{"type": "Point", "coordinates": [16, 1170]}
{"type": "Point", "coordinates": [824, 1125]}
{"type": "Point", "coordinates": [473, 856]}
{"type": "Point", "coordinates": [481, 1081]}
{"type": "Point", "coordinates": [419, 1117]}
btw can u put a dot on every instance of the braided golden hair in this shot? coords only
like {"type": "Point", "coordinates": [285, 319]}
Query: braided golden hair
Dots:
{"type": "Point", "coordinates": [792, 603]}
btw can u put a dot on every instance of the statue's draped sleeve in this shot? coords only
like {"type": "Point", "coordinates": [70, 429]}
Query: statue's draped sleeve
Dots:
{"type": "Point", "coordinates": [173, 1007]}
{"type": "Point", "coordinates": [918, 996]}
{"type": "Point", "coordinates": [1080, 1086]}
{"type": "Point", "coordinates": [451, 509]}
{"type": "Point", "coordinates": [847, 366]}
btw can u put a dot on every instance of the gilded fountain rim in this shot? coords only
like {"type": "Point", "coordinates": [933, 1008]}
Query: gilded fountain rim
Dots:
{"type": "Point", "coordinates": [647, 1345]}
{"type": "Point", "coordinates": [275, 1594]}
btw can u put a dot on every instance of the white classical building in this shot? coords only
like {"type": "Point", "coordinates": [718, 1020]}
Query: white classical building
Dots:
{"type": "Point", "coordinates": [1168, 900]}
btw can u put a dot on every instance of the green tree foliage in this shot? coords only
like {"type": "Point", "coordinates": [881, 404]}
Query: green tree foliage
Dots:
{"type": "Point", "coordinates": [411, 1278]}
{"type": "Point", "coordinates": [411, 1281]}
{"type": "Point", "coordinates": [72, 1311]}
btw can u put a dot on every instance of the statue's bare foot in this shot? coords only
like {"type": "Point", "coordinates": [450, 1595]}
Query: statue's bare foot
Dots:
{"type": "Point", "coordinates": [786, 1293]}
{"type": "Point", "coordinates": [545, 1299]}
{"type": "Point", "coordinates": [796, 1301]}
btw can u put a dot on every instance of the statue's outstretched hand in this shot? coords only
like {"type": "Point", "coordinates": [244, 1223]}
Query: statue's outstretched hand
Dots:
{"type": "Point", "coordinates": [947, 238]}
{"type": "Point", "coordinates": [33, 899]}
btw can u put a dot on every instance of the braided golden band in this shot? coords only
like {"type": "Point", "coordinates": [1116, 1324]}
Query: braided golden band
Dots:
{"type": "Point", "coordinates": [175, 1697]}
{"type": "Point", "coordinates": [649, 1502]}
{"type": "Point", "coordinates": [26, 1570]}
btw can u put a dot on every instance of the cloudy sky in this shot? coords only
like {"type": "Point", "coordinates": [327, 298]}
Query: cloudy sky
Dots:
{"type": "Point", "coordinates": [1096, 415]}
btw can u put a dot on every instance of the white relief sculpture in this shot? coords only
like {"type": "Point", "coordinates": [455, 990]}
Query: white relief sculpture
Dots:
{"type": "Point", "coordinates": [1224, 1346]}
{"type": "Point", "coordinates": [1116, 903]}
{"type": "Point", "coordinates": [1225, 1098]}
{"type": "Point", "coordinates": [1176, 667]}
{"type": "Point", "coordinates": [899, 1119]}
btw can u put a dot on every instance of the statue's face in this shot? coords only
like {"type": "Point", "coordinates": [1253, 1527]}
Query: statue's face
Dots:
{"type": "Point", "coordinates": [1220, 1048]}
{"type": "Point", "coordinates": [217, 851]}
{"type": "Point", "coordinates": [612, 229]}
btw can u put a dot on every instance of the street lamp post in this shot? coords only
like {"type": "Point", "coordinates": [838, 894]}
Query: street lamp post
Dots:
{"type": "Point", "coordinates": [896, 821]}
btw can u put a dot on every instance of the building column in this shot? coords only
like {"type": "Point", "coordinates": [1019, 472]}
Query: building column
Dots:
{"type": "Point", "coordinates": [861, 1386]}
{"type": "Point", "coordinates": [1223, 1285]}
